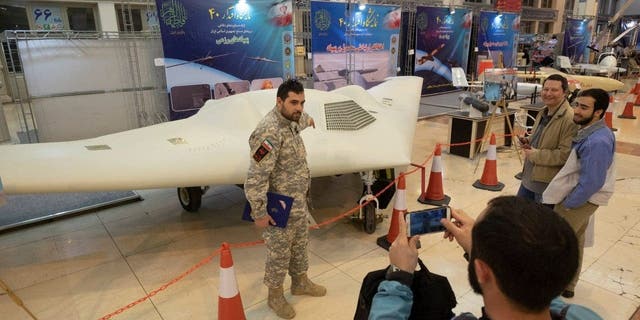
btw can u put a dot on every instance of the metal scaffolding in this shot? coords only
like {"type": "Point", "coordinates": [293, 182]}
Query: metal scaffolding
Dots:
{"type": "Point", "coordinates": [23, 99]}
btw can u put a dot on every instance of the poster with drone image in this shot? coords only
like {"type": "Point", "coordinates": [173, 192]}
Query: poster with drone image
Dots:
{"type": "Point", "coordinates": [224, 44]}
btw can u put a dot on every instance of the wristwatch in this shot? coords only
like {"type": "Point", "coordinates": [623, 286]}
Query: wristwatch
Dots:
{"type": "Point", "coordinates": [396, 274]}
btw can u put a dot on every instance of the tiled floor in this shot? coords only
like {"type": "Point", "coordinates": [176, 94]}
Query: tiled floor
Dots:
{"type": "Point", "coordinates": [88, 266]}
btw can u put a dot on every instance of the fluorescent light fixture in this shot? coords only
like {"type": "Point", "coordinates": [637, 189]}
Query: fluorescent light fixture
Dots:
{"type": "Point", "coordinates": [242, 7]}
{"type": "Point", "coordinates": [362, 4]}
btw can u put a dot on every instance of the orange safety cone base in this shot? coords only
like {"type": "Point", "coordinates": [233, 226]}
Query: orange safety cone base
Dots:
{"type": "Point", "coordinates": [441, 202]}
{"type": "Point", "coordinates": [480, 185]}
{"type": "Point", "coordinates": [383, 242]}
{"type": "Point", "coordinates": [230, 308]}
{"type": "Point", "coordinates": [628, 111]}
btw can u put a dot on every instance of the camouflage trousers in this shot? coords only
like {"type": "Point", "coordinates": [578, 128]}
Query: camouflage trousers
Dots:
{"type": "Point", "coordinates": [286, 251]}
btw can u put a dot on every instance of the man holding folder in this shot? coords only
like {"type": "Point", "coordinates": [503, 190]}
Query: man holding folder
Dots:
{"type": "Point", "coordinates": [279, 167]}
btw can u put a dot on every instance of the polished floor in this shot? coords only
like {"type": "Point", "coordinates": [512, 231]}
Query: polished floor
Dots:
{"type": "Point", "coordinates": [89, 266]}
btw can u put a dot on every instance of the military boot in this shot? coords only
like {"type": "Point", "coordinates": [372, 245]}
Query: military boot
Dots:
{"type": "Point", "coordinates": [302, 285]}
{"type": "Point", "coordinates": [278, 303]}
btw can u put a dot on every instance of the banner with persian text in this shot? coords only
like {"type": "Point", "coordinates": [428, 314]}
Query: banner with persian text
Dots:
{"type": "Point", "coordinates": [577, 36]}
{"type": "Point", "coordinates": [442, 42]}
{"type": "Point", "coordinates": [216, 48]}
{"type": "Point", "coordinates": [498, 37]}
{"type": "Point", "coordinates": [353, 43]}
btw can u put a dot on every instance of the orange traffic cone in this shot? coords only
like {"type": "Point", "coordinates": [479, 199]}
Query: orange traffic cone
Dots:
{"type": "Point", "coordinates": [435, 192]}
{"type": "Point", "coordinates": [399, 207]}
{"type": "Point", "coordinates": [489, 180]}
{"type": "Point", "coordinates": [229, 301]}
{"type": "Point", "coordinates": [636, 88]}
{"type": "Point", "coordinates": [628, 111]}
{"type": "Point", "coordinates": [608, 114]}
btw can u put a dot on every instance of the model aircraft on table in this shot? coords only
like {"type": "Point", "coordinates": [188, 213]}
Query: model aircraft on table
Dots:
{"type": "Point", "coordinates": [575, 81]}
{"type": "Point", "coordinates": [356, 130]}
{"type": "Point", "coordinates": [608, 65]}
{"type": "Point", "coordinates": [586, 82]}
{"type": "Point", "coordinates": [459, 79]}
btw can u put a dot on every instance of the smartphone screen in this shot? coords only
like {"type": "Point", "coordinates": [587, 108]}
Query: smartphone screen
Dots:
{"type": "Point", "coordinates": [426, 221]}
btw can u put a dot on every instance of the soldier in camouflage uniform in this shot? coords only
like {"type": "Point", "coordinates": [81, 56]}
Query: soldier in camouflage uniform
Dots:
{"type": "Point", "coordinates": [279, 165]}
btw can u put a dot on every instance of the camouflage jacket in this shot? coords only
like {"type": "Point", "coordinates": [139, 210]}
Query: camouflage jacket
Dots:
{"type": "Point", "coordinates": [278, 163]}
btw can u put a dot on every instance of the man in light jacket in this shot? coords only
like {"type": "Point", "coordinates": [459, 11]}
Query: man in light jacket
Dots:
{"type": "Point", "coordinates": [587, 179]}
{"type": "Point", "coordinates": [548, 147]}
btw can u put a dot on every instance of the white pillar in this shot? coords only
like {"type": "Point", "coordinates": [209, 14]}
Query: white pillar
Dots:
{"type": "Point", "coordinates": [108, 18]}
{"type": "Point", "coordinates": [557, 24]}
{"type": "Point", "coordinates": [587, 8]}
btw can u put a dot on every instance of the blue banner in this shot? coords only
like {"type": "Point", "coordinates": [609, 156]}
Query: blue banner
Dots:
{"type": "Point", "coordinates": [498, 37]}
{"type": "Point", "coordinates": [577, 35]}
{"type": "Point", "coordinates": [359, 43]}
{"type": "Point", "coordinates": [215, 42]}
{"type": "Point", "coordinates": [442, 42]}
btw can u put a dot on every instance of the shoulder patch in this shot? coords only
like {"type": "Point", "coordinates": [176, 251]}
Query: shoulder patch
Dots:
{"type": "Point", "coordinates": [263, 150]}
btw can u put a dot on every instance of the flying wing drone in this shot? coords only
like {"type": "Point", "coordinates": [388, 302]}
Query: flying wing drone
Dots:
{"type": "Point", "coordinates": [211, 147]}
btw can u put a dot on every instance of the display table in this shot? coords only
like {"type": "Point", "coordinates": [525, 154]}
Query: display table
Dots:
{"type": "Point", "coordinates": [463, 128]}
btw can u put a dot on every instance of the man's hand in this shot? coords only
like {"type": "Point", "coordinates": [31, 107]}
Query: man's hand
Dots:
{"type": "Point", "coordinates": [264, 222]}
{"type": "Point", "coordinates": [524, 142]}
{"type": "Point", "coordinates": [403, 252]}
{"type": "Point", "coordinates": [528, 151]}
{"type": "Point", "coordinates": [311, 122]}
{"type": "Point", "coordinates": [459, 227]}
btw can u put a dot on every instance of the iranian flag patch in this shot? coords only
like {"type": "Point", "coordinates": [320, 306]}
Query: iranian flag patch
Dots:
{"type": "Point", "coordinates": [263, 150]}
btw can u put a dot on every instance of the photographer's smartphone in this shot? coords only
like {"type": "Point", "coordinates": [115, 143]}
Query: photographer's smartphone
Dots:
{"type": "Point", "coordinates": [427, 221]}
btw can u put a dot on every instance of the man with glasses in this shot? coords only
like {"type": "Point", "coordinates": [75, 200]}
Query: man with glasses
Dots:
{"type": "Point", "coordinates": [587, 179]}
{"type": "Point", "coordinates": [547, 149]}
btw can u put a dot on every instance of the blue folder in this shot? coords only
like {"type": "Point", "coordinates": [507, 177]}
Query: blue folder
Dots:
{"type": "Point", "coordinates": [278, 207]}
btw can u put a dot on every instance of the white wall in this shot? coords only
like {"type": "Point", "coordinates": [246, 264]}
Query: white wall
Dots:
{"type": "Point", "coordinates": [107, 16]}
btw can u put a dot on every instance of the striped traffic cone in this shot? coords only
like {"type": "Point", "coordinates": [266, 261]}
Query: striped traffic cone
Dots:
{"type": "Point", "coordinates": [636, 88]}
{"type": "Point", "coordinates": [489, 180]}
{"type": "Point", "coordinates": [435, 191]}
{"type": "Point", "coordinates": [229, 301]}
{"type": "Point", "coordinates": [399, 207]}
{"type": "Point", "coordinates": [628, 111]}
{"type": "Point", "coordinates": [633, 99]}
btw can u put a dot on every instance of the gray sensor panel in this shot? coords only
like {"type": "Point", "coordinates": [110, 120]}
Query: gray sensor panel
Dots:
{"type": "Point", "coordinates": [346, 116]}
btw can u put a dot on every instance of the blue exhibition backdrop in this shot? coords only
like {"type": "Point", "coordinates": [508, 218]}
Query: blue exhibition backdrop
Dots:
{"type": "Point", "coordinates": [577, 35]}
{"type": "Point", "coordinates": [369, 35]}
{"type": "Point", "coordinates": [498, 37]}
{"type": "Point", "coordinates": [442, 42]}
{"type": "Point", "coordinates": [211, 42]}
